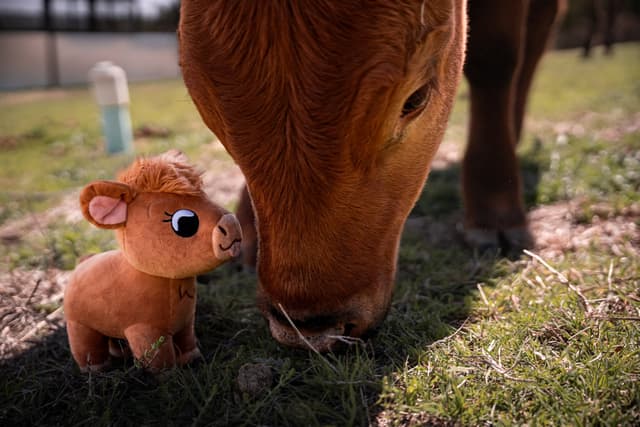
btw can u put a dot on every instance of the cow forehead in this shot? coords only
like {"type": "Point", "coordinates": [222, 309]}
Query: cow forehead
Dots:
{"type": "Point", "coordinates": [265, 67]}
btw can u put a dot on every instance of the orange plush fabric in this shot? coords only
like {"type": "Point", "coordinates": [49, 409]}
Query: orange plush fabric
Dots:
{"type": "Point", "coordinates": [168, 232]}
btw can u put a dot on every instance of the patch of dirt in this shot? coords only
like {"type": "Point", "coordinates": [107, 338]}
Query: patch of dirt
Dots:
{"type": "Point", "coordinates": [151, 131]}
{"type": "Point", "coordinates": [29, 308]}
{"type": "Point", "coordinates": [67, 210]}
{"type": "Point", "coordinates": [557, 230]}
{"type": "Point", "coordinates": [8, 142]}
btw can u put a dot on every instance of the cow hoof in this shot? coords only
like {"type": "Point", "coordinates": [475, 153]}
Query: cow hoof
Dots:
{"type": "Point", "coordinates": [482, 239]}
{"type": "Point", "coordinates": [509, 242]}
{"type": "Point", "coordinates": [514, 240]}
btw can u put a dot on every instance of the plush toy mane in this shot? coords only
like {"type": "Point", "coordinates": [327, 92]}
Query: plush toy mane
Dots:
{"type": "Point", "coordinates": [168, 173]}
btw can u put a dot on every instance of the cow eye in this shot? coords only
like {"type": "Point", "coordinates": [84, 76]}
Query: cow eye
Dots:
{"type": "Point", "coordinates": [416, 102]}
{"type": "Point", "coordinates": [183, 222]}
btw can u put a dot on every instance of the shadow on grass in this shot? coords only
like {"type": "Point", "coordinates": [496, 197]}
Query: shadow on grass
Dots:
{"type": "Point", "coordinates": [436, 288]}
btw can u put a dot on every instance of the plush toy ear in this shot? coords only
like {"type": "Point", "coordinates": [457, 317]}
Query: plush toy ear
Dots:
{"type": "Point", "coordinates": [104, 203]}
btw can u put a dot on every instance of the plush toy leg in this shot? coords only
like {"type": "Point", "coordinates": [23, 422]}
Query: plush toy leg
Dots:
{"type": "Point", "coordinates": [89, 347]}
{"type": "Point", "coordinates": [152, 347]}
{"type": "Point", "coordinates": [186, 345]}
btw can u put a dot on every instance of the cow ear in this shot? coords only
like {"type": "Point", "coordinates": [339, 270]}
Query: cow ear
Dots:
{"type": "Point", "coordinates": [104, 203]}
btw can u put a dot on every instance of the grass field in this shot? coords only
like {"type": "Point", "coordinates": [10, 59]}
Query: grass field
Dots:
{"type": "Point", "coordinates": [549, 338]}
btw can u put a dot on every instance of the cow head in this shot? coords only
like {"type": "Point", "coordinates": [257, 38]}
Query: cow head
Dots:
{"type": "Point", "coordinates": [333, 110]}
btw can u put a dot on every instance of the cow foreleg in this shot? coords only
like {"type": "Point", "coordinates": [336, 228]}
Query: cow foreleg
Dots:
{"type": "Point", "coordinates": [543, 14]}
{"type": "Point", "coordinates": [494, 209]}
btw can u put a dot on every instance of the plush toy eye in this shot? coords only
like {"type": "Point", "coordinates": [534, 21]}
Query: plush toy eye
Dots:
{"type": "Point", "coordinates": [184, 222]}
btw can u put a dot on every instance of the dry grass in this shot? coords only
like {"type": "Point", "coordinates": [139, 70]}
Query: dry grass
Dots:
{"type": "Point", "coordinates": [27, 313]}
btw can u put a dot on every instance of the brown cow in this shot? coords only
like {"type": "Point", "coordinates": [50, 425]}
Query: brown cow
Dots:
{"type": "Point", "coordinates": [334, 110]}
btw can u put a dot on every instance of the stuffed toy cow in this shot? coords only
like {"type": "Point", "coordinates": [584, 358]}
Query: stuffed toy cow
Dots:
{"type": "Point", "coordinates": [168, 231]}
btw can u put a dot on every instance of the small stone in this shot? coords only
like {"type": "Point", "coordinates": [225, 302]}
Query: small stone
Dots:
{"type": "Point", "coordinates": [254, 378]}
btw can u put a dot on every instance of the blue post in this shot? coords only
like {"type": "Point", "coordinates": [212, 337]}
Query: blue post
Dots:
{"type": "Point", "coordinates": [116, 123]}
{"type": "Point", "coordinates": [112, 94]}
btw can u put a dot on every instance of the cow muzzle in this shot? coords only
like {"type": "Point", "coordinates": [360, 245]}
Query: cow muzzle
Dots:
{"type": "Point", "coordinates": [322, 333]}
{"type": "Point", "coordinates": [227, 237]}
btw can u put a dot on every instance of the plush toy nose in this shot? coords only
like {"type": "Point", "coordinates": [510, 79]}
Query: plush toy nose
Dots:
{"type": "Point", "coordinates": [227, 235]}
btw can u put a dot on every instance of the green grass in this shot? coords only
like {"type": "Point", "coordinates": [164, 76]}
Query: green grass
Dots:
{"type": "Point", "coordinates": [53, 143]}
{"type": "Point", "coordinates": [530, 353]}
{"type": "Point", "coordinates": [470, 339]}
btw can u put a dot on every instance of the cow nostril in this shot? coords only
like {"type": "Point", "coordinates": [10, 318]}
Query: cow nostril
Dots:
{"type": "Point", "coordinates": [348, 328]}
{"type": "Point", "coordinates": [222, 230]}
{"type": "Point", "coordinates": [312, 324]}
